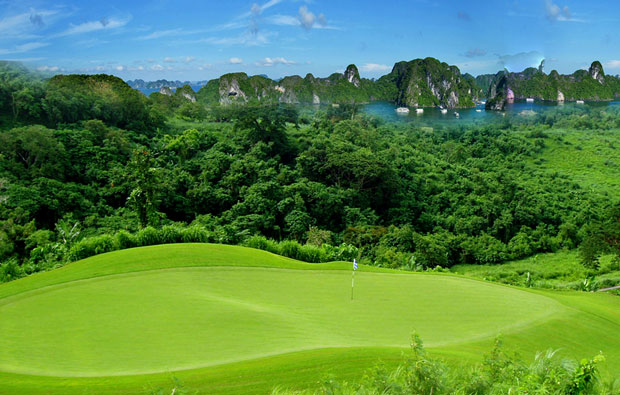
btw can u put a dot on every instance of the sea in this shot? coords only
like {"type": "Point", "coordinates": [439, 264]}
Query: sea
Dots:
{"type": "Point", "coordinates": [477, 115]}
{"type": "Point", "coordinates": [147, 92]}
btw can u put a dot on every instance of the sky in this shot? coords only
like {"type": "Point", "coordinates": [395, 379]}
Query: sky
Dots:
{"type": "Point", "coordinates": [201, 40]}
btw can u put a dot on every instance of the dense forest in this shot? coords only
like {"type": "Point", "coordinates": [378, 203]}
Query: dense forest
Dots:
{"type": "Point", "coordinates": [85, 156]}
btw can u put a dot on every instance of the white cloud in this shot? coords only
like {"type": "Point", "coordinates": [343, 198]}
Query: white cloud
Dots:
{"type": "Point", "coordinates": [168, 59]}
{"type": "Point", "coordinates": [374, 67]}
{"type": "Point", "coordinates": [93, 26]}
{"type": "Point", "coordinates": [247, 39]}
{"type": "Point", "coordinates": [52, 69]}
{"type": "Point", "coordinates": [268, 62]}
{"type": "Point", "coordinates": [23, 48]}
{"type": "Point", "coordinates": [160, 34]}
{"type": "Point", "coordinates": [283, 20]}
{"type": "Point", "coordinates": [25, 24]}
{"type": "Point", "coordinates": [288, 20]}
{"type": "Point", "coordinates": [556, 13]}
{"type": "Point", "coordinates": [157, 67]}
{"type": "Point", "coordinates": [257, 9]}
{"type": "Point", "coordinates": [520, 61]}
{"type": "Point", "coordinates": [119, 68]}
{"type": "Point", "coordinates": [306, 18]}
{"type": "Point", "coordinates": [235, 60]}
{"type": "Point", "coordinates": [613, 64]}
{"type": "Point", "coordinates": [30, 46]}
{"type": "Point", "coordinates": [169, 33]}
{"type": "Point", "coordinates": [189, 59]}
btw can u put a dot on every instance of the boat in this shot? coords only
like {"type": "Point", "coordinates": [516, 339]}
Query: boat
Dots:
{"type": "Point", "coordinates": [402, 110]}
{"type": "Point", "coordinates": [478, 110]}
{"type": "Point", "coordinates": [580, 102]}
{"type": "Point", "coordinates": [444, 111]}
{"type": "Point", "coordinates": [483, 103]}
{"type": "Point", "coordinates": [456, 114]}
{"type": "Point", "coordinates": [419, 111]}
{"type": "Point", "coordinates": [529, 100]}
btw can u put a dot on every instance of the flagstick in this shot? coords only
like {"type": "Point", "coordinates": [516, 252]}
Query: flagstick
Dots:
{"type": "Point", "coordinates": [352, 282]}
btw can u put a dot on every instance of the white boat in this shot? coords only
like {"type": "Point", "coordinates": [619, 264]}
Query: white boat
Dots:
{"type": "Point", "coordinates": [483, 103]}
{"type": "Point", "coordinates": [402, 110]}
{"type": "Point", "coordinates": [529, 100]}
{"type": "Point", "coordinates": [456, 114]}
{"type": "Point", "coordinates": [478, 110]}
{"type": "Point", "coordinates": [444, 111]}
{"type": "Point", "coordinates": [419, 111]}
{"type": "Point", "coordinates": [580, 102]}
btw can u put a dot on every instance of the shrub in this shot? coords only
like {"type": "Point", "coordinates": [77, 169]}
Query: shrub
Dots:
{"type": "Point", "coordinates": [125, 240]}
{"type": "Point", "coordinates": [148, 236]}
{"type": "Point", "coordinates": [196, 234]}
{"type": "Point", "coordinates": [92, 246]}
{"type": "Point", "coordinates": [10, 271]}
{"type": "Point", "coordinates": [291, 249]}
{"type": "Point", "coordinates": [262, 243]}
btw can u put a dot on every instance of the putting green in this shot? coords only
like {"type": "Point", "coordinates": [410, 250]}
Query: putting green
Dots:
{"type": "Point", "coordinates": [228, 319]}
{"type": "Point", "coordinates": [184, 318]}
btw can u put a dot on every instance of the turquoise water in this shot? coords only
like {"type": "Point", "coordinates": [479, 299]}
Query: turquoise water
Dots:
{"type": "Point", "coordinates": [147, 92]}
{"type": "Point", "coordinates": [387, 111]}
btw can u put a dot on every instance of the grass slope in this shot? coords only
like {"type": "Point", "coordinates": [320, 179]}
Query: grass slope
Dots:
{"type": "Point", "coordinates": [592, 159]}
{"type": "Point", "coordinates": [235, 320]}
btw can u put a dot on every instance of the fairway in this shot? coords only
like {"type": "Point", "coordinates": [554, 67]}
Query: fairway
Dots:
{"type": "Point", "coordinates": [162, 309]}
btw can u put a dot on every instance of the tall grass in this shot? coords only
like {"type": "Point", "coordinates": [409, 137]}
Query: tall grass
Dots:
{"type": "Point", "coordinates": [499, 374]}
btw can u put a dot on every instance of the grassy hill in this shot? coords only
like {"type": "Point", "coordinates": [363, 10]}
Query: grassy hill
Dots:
{"type": "Point", "coordinates": [592, 159]}
{"type": "Point", "coordinates": [236, 320]}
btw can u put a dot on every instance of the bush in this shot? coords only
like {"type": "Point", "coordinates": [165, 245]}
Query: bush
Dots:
{"type": "Point", "coordinates": [499, 374]}
{"type": "Point", "coordinates": [125, 240]}
{"type": "Point", "coordinates": [10, 271]}
{"type": "Point", "coordinates": [92, 246]}
{"type": "Point", "coordinates": [306, 253]}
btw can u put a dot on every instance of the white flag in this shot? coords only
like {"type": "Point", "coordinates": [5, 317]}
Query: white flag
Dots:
{"type": "Point", "coordinates": [354, 264]}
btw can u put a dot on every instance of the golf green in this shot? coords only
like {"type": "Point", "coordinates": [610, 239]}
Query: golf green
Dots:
{"type": "Point", "coordinates": [174, 319]}
{"type": "Point", "coordinates": [221, 317]}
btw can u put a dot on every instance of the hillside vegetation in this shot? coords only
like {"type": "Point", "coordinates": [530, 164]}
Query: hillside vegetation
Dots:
{"type": "Point", "coordinates": [400, 195]}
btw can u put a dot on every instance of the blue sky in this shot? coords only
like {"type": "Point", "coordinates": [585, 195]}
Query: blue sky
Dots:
{"type": "Point", "coordinates": [190, 40]}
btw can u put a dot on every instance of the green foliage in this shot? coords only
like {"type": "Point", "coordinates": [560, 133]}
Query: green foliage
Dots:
{"type": "Point", "coordinates": [73, 98]}
{"type": "Point", "coordinates": [429, 83]}
{"type": "Point", "coordinates": [603, 237]}
{"type": "Point", "coordinates": [533, 83]}
{"type": "Point", "coordinates": [90, 246]}
{"type": "Point", "coordinates": [404, 197]}
{"type": "Point", "coordinates": [306, 253]}
{"type": "Point", "coordinates": [424, 82]}
{"type": "Point", "coordinates": [144, 175]}
{"type": "Point", "coordinates": [499, 374]}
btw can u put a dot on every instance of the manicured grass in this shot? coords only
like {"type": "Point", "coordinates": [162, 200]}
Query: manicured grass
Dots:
{"type": "Point", "coordinates": [236, 320]}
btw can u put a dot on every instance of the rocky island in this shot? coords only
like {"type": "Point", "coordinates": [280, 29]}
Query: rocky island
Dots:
{"type": "Point", "coordinates": [589, 85]}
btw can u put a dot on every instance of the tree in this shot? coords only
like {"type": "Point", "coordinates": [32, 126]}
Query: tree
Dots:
{"type": "Point", "coordinates": [144, 175]}
{"type": "Point", "coordinates": [603, 237]}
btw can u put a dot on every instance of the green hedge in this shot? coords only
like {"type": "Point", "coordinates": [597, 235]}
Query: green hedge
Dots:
{"type": "Point", "coordinates": [306, 253]}
{"type": "Point", "coordinates": [148, 236]}
{"type": "Point", "coordinates": [196, 234]}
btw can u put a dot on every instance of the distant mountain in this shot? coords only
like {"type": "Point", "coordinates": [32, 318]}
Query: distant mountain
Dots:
{"type": "Point", "coordinates": [141, 84]}
{"type": "Point", "coordinates": [591, 85]}
{"type": "Point", "coordinates": [428, 83]}
{"type": "Point", "coordinates": [418, 83]}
